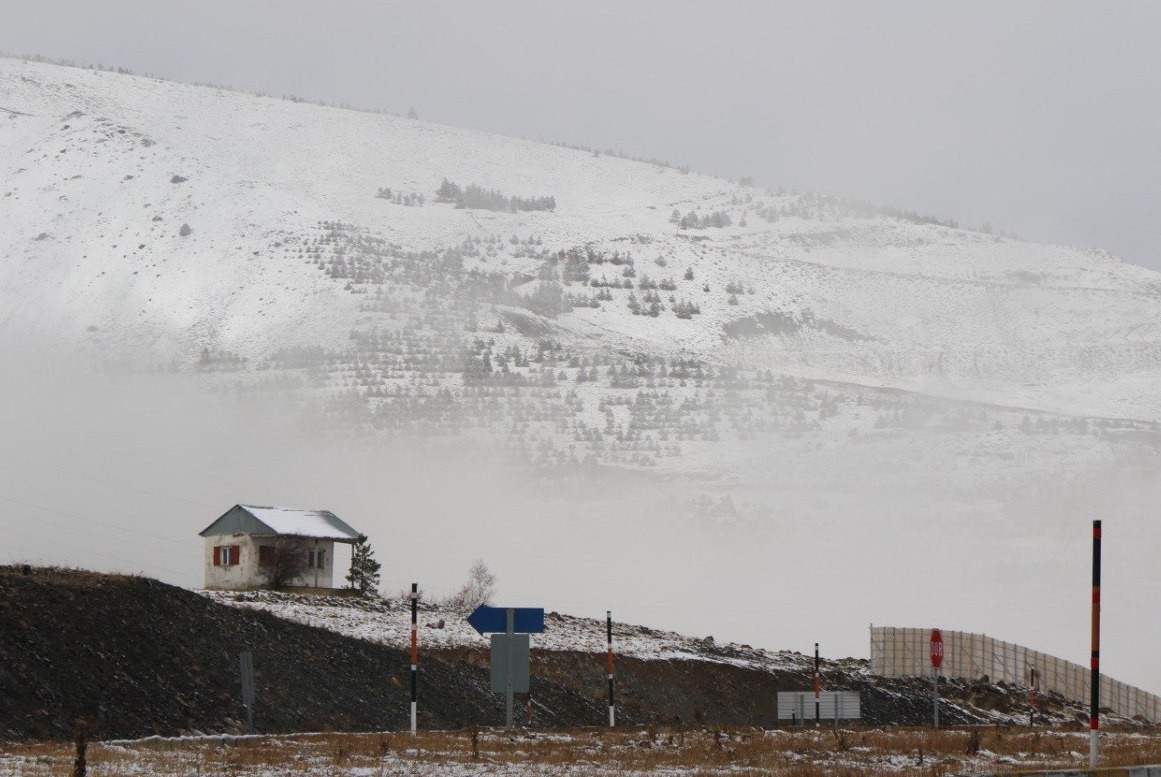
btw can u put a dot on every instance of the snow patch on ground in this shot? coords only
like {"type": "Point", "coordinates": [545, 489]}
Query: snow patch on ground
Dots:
{"type": "Point", "coordinates": [388, 622]}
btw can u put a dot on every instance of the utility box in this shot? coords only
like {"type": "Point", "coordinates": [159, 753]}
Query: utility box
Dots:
{"type": "Point", "coordinates": [832, 705]}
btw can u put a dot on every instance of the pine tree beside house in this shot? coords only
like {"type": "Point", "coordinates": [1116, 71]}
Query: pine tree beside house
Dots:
{"type": "Point", "coordinates": [364, 574]}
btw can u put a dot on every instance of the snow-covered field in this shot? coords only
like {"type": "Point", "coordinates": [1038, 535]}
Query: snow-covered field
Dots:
{"type": "Point", "coordinates": [388, 622]}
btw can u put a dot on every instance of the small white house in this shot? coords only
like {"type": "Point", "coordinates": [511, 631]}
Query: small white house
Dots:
{"type": "Point", "coordinates": [241, 545]}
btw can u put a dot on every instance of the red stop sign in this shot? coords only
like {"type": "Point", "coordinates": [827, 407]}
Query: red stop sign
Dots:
{"type": "Point", "coordinates": [936, 648]}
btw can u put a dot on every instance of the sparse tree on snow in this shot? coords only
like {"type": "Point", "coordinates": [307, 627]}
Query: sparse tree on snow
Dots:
{"type": "Point", "coordinates": [478, 589]}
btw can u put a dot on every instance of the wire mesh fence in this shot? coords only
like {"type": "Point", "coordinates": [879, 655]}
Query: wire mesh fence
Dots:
{"type": "Point", "coordinates": [906, 652]}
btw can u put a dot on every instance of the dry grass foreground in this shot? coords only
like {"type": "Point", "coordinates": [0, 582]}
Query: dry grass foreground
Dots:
{"type": "Point", "coordinates": [798, 753]}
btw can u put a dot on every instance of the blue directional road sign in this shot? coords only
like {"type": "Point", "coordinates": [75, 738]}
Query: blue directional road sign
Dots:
{"type": "Point", "coordinates": [494, 620]}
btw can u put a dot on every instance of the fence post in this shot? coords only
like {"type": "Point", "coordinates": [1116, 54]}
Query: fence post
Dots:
{"type": "Point", "coordinates": [1094, 725]}
{"type": "Point", "coordinates": [414, 655]}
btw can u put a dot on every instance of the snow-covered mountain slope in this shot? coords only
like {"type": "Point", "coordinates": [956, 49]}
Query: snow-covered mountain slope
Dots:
{"type": "Point", "coordinates": [213, 231]}
{"type": "Point", "coordinates": [793, 381]}
{"type": "Point", "coordinates": [102, 170]}
{"type": "Point", "coordinates": [94, 208]}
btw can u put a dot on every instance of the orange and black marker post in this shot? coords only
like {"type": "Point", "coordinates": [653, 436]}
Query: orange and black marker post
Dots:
{"type": "Point", "coordinates": [817, 686]}
{"type": "Point", "coordinates": [1094, 715]}
{"type": "Point", "coordinates": [414, 653]}
{"type": "Point", "coordinates": [609, 632]}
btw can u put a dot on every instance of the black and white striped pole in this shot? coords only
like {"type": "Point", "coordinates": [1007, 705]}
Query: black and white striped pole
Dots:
{"type": "Point", "coordinates": [817, 686]}
{"type": "Point", "coordinates": [414, 653]}
{"type": "Point", "coordinates": [609, 632]}
{"type": "Point", "coordinates": [1095, 722]}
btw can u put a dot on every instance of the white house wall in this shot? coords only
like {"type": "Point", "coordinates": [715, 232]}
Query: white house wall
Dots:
{"type": "Point", "coordinates": [320, 577]}
{"type": "Point", "coordinates": [246, 574]}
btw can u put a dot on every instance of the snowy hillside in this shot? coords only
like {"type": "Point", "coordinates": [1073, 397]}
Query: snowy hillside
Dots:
{"type": "Point", "coordinates": [651, 318]}
{"type": "Point", "coordinates": [793, 382]}
{"type": "Point", "coordinates": [102, 171]}
{"type": "Point", "coordinates": [288, 250]}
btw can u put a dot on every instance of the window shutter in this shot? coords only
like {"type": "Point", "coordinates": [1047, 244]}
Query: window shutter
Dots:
{"type": "Point", "coordinates": [235, 557]}
{"type": "Point", "coordinates": [217, 556]}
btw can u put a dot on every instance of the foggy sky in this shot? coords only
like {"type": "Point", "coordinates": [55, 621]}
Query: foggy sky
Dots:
{"type": "Point", "coordinates": [1040, 118]}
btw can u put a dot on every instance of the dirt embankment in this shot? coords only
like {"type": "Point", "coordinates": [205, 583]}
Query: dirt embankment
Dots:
{"type": "Point", "coordinates": [717, 694]}
{"type": "Point", "coordinates": [134, 657]}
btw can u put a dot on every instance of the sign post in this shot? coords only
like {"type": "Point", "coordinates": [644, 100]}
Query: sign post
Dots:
{"type": "Point", "coordinates": [509, 627]}
{"type": "Point", "coordinates": [936, 662]}
{"type": "Point", "coordinates": [246, 664]}
{"type": "Point", "coordinates": [508, 632]}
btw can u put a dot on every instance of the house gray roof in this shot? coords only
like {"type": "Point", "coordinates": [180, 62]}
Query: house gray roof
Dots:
{"type": "Point", "coordinates": [274, 521]}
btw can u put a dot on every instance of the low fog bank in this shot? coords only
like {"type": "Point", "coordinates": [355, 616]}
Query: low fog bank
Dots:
{"type": "Point", "coordinates": [828, 565]}
{"type": "Point", "coordinates": [118, 472]}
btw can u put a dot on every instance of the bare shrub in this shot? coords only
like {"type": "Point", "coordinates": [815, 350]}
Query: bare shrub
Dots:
{"type": "Point", "coordinates": [284, 562]}
{"type": "Point", "coordinates": [478, 589]}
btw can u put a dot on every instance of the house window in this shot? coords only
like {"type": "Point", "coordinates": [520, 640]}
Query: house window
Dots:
{"type": "Point", "coordinates": [265, 555]}
{"type": "Point", "coordinates": [316, 559]}
{"type": "Point", "coordinates": [226, 555]}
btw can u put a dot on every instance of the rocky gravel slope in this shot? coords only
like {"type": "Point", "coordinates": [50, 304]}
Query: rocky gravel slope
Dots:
{"type": "Point", "coordinates": [131, 657]}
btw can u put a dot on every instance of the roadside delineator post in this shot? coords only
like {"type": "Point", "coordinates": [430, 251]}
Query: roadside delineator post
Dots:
{"type": "Point", "coordinates": [414, 654]}
{"type": "Point", "coordinates": [1095, 713]}
{"type": "Point", "coordinates": [609, 632]}
{"type": "Point", "coordinates": [817, 686]}
{"type": "Point", "coordinates": [1033, 685]}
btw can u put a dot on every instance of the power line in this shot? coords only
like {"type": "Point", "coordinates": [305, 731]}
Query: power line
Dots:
{"type": "Point", "coordinates": [86, 521]}
{"type": "Point", "coordinates": [104, 482]}
{"type": "Point", "coordinates": [134, 564]}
